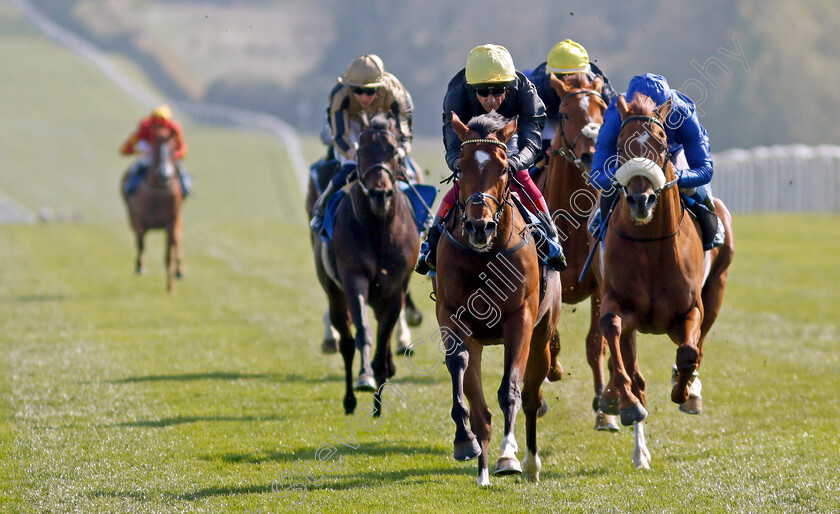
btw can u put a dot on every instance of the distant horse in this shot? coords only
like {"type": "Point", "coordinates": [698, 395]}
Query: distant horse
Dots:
{"type": "Point", "coordinates": [411, 315]}
{"type": "Point", "coordinates": [157, 205]}
{"type": "Point", "coordinates": [570, 198]}
{"type": "Point", "coordinates": [369, 260]}
{"type": "Point", "coordinates": [653, 269]}
{"type": "Point", "coordinates": [487, 293]}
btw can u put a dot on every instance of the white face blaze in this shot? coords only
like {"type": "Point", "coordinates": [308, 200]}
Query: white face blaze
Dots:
{"type": "Point", "coordinates": [584, 104]}
{"type": "Point", "coordinates": [482, 158]}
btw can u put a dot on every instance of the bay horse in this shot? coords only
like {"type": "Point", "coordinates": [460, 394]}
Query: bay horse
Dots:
{"type": "Point", "coordinates": [157, 205]}
{"type": "Point", "coordinates": [369, 260]}
{"type": "Point", "coordinates": [411, 315]}
{"type": "Point", "coordinates": [571, 197]}
{"type": "Point", "coordinates": [488, 293]}
{"type": "Point", "coordinates": [654, 269]}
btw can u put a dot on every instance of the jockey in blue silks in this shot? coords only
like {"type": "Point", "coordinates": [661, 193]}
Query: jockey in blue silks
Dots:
{"type": "Point", "coordinates": [688, 144]}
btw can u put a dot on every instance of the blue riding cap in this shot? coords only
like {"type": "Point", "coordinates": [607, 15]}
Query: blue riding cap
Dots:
{"type": "Point", "coordinates": [649, 84]}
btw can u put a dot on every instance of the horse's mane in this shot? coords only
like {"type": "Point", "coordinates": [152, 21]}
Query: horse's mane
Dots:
{"type": "Point", "coordinates": [641, 105]}
{"type": "Point", "coordinates": [487, 123]}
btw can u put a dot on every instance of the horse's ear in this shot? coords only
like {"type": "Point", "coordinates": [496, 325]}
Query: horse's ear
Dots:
{"type": "Point", "coordinates": [598, 83]}
{"type": "Point", "coordinates": [664, 110]}
{"type": "Point", "coordinates": [459, 127]}
{"type": "Point", "coordinates": [621, 105]}
{"type": "Point", "coordinates": [559, 85]}
{"type": "Point", "coordinates": [504, 133]}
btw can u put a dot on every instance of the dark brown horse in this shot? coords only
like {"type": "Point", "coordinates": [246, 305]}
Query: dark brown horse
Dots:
{"type": "Point", "coordinates": [157, 205]}
{"type": "Point", "coordinates": [411, 315]}
{"type": "Point", "coordinates": [656, 278]}
{"type": "Point", "coordinates": [488, 293]}
{"type": "Point", "coordinates": [570, 198]}
{"type": "Point", "coordinates": [370, 259]}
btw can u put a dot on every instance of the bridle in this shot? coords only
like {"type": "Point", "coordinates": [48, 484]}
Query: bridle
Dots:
{"type": "Point", "coordinates": [666, 154]}
{"type": "Point", "coordinates": [480, 197]}
{"type": "Point", "coordinates": [568, 153]}
{"type": "Point", "coordinates": [378, 165]}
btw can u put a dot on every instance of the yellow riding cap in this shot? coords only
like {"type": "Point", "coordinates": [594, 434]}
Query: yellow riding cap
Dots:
{"type": "Point", "coordinates": [364, 71]}
{"type": "Point", "coordinates": [162, 113]}
{"type": "Point", "coordinates": [567, 57]}
{"type": "Point", "coordinates": [490, 64]}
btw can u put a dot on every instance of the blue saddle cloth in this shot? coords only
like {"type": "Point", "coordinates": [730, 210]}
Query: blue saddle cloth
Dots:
{"type": "Point", "coordinates": [418, 195]}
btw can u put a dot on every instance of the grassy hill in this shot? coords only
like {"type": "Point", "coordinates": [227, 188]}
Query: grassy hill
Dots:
{"type": "Point", "coordinates": [115, 397]}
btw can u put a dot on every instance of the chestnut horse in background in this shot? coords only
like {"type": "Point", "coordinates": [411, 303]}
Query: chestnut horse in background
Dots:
{"type": "Point", "coordinates": [369, 260]}
{"type": "Point", "coordinates": [157, 205]}
{"type": "Point", "coordinates": [571, 198]}
{"type": "Point", "coordinates": [656, 277]}
{"type": "Point", "coordinates": [488, 293]}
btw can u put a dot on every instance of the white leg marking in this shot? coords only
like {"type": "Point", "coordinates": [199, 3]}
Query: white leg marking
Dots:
{"type": "Point", "coordinates": [509, 446]}
{"type": "Point", "coordinates": [402, 333]}
{"type": "Point", "coordinates": [484, 477]}
{"type": "Point", "coordinates": [532, 466]}
{"type": "Point", "coordinates": [329, 331]}
{"type": "Point", "coordinates": [641, 455]}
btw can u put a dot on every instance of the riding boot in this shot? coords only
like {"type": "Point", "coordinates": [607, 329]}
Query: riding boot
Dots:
{"type": "Point", "coordinates": [555, 257]}
{"type": "Point", "coordinates": [317, 222]}
{"type": "Point", "coordinates": [708, 225]}
{"type": "Point", "coordinates": [428, 250]}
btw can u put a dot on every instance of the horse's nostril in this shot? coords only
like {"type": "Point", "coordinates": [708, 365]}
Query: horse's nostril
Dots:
{"type": "Point", "coordinates": [490, 227]}
{"type": "Point", "coordinates": [586, 159]}
{"type": "Point", "coordinates": [631, 200]}
{"type": "Point", "coordinates": [651, 199]}
{"type": "Point", "coordinates": [469, 227]}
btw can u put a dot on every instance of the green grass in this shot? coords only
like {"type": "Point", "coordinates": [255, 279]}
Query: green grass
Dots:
{"type": "Point", "coordinates": [116, 397]}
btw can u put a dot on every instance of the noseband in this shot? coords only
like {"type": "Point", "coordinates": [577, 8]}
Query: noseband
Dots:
{"type": "Point", "coordinates": [481, 197]}
{"type": "Point", "coordinates": [666, 153]}
{"type": "Point", "coordinates": [569, 152]}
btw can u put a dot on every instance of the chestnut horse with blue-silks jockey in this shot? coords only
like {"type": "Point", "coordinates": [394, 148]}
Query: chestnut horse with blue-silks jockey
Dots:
{"type": "Point", "coordinates": [655, 275]}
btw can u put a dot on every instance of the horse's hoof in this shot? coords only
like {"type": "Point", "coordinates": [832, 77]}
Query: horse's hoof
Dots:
{"type": "Point", "coordinates": [329, 346]}
{"type": "Point", "coordinates": [403, 349]}
{"type": "Point", "coordinates": [555, 373]}
{"type": "Point", "coordinates": [543, 409]}
{"type": "Point", "coordinates": [365, 383]}
{"type": "Point", "coordinates": [349, 404]}
{"type": "Point", "coordinates": [633, 414]}
{"type": "Point", "coordinates": [179, 274]}
{"type": "Point", "coordinates": [606, 422]}
{"type": "Point", "coordinates": [608, 405]}
{"type": "Point", "coordinates": [507, 466]}
{"type": "Point", "coordinates": [468, 450]}
{"type": "Point", "coordinates": [413, 317]}
{"type": "Point", "coordinates": [692, 406]}
{"type": "Point", "coordinates": [140, 270]}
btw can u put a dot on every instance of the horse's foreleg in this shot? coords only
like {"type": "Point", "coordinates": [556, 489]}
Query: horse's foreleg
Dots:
{"type": "Point", "coordinates": [611, 327]}
{"type": "Point", "coordinates": [457, 359]}
{"type": "Point", "coordinates": [596, 351]}
{"type": "Point", "coordinates": [383, 362]}
{"type": "Point", "coordinates": [539, 362]}
{"type": "Point", "coordinates": [329, 343]}
{"type": "Point", "coordinates": [179, 249]}
{"type": "Point", "coordinates": [356, 289]}
{"type": "Point", "coordinates": [479, 411]}
{"type": "Point", "coordinates": [686, 336]}
{"type": "Point", "coordinates": [138, 261]}
{"type": "Point", "coordinates": [169, 261]}
{"type": "Point", "coordinates": [339, 319]}
{"type": "Point", "coordinates": [517, 335]}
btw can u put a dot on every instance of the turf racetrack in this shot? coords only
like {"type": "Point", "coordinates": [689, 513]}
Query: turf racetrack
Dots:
{"type": "Point", "coordinates": [116, 397]}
